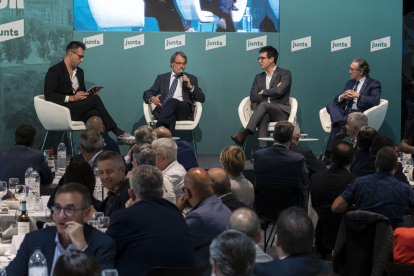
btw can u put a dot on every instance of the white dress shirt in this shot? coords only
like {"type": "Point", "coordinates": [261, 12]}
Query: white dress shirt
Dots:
{"type": "Point", "coordinates": [59, 250]}
{"type": "Point", "coordinates": [75, 83]}
{"type": "Point", "coordinates": [357, 89]}
{"type": "Point", "coordinates": [179, 90]}
{"type": "Point", "coordinates": [168, 190]}
{"type": "Point", "coordinates": [90, 162]}
{"type": "Point", "coordinates": [268, 79]}
{"type": "Point", "coordinates": [175, 172]}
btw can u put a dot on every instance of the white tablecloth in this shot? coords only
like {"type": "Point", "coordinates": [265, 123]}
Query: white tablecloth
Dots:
{"type": "Point", "coordinates": [7, 219]}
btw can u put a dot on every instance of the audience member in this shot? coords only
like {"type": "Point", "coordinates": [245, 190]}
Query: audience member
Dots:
{"type": "Point", "coordinates": [15, 160]}
{"type": "Point", "coordinates": [75, 262]}
{"type": "Point", "coordinates": [313, 164]}
{"type": "Point", "coordinates": [185, 153]}
{"type": "Point", "coordinates": [355, 122]}
{"type": "Point", "coordinates": [151, 232]}
{"type": "Point", "coordinates": [279, 167]}
{"type": "Point", "coordinates": [96, 123]}
{"type": "Point", "coordinates": [71, 210]}
{"type": "Point", "coordinates": [232, 254]}
{"type": "Point", "coordinates": [167, 163]}
{"type": "Point", "coordinates": [294, 242]}
{"type": "Point", "coordinates": [221, 186]}
{"type": "Point", "coordinates": [143, 135]}
{"type": "Point", "coordinates": [379, 192]}
{"type": "Point", "coordinates": [246, 221]}
{"type": "Point", "coordinates": [233, 160]}
{"type": "Point", "coordinates": [407, 144]}
{"type": "Point", "coordinates": [147, 155]}
{"type": "Point", "coordinates": [367, 165]}
{"type": "Point", "coordinates": [364, 141]}
{"type": "Point", "coordinates": [91, 145]}
{"type": "Point", "coordinates": [209, 215]}
{"type": "Point", "coordinates": [112, 174]}
{"type": "Point", "coordinates": [403, 246]}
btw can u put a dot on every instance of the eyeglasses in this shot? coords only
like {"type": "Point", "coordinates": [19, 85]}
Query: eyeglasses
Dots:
{"type": "Point", "coordinates": [70, 212]}
{"type": "Point", "coordinates": [262, 58]}
{"type": "Point", "coordinates": [183, 188]}
{"type": "Point", "coordinates": [80, 56]}
{"type": "Point", "coordinates": [353, 69]}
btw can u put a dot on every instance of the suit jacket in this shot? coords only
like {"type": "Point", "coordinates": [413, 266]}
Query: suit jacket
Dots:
{"type": "Point", "coordinates": [278, 94]}
{"type": "Point", "coordinates": [304, 265]}
{"type": "Point", "coordinates": [232, 202]}
{"type": "Point", "coordinates": [143, 241]}
{"type": "Point", "coordinates": [162, 86]}
{"type": "Point", "coordinates": [313, 164]}
{"type": "Point", "coordinates": [121, 197]}
{"type": "Point", "coordinates": [110, 144]}
{"type": "Point", "coordinates": [326, 186]}
{"type": "Point", "coordinates": [359, 155]}
{"type": "Point", "coordinates": [15, 161]}
{"type": "Point", "coordinates": [370, 93]}
{"type": "Point", "coordinates": [185, 155]}
{"type": "Point", "coordinates": [58, 84]}
{"type": "Point", "coordinates": [100, 246]}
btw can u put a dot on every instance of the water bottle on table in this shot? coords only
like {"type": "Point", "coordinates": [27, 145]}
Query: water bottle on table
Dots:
{"type": "Point", "coordinates": [61, 155]}
{"type": "Point", "coordinates": [27, 176]}
{"type": "Point", "coordinates": [37, 264]}
{"type": "Point", "coordinates": [34, 194]}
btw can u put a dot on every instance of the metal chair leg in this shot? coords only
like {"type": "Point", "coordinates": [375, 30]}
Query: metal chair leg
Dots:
{"type": "Point", "coordinates": [71, 140]}
{"type": "Point", "coordinates": [194, 143]}
{"type": "Point", "coordinates": [63, 136]}
{"type": "Point", "coordinates": [44, 140]}
{"type": "Point", "coordinates": [324, 143]}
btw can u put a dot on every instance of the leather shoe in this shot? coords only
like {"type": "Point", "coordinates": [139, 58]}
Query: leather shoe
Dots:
{"type": "Point", "coordinates": [326, 160]}
{"type": "Point", "coordinates": [238, 139]}
{"type": "Point", "coordinates": [341, 135]}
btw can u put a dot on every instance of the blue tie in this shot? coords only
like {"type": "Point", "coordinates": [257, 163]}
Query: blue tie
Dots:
{"type": "Point", "coordinates": [172, 90]}
{"type": "Point", "coordinates": [351, 102]}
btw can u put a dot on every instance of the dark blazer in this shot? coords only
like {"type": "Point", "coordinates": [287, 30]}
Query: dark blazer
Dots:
{"type": "Point", "coordinates": [100, 246]}
{"type": "Point", "coordinates": [110, 144]}
{"type": "Point", "coordinates": [162, 86]}
{"type": "Point", "coordinates": [148, 234]}
{"type": "Point", "coordinates": [313, 164]}
{"type": "Point", "coordinates": [15, 161]}
{"type": "Point", "coordinates": [278, 93]}
{"type": "Point", "coordinates": [232, 202]}
{"type": "Point", "coordinates": [58, 84]}
{"type": "Point", "coordinates": [367, 166]}
{"type": "Point", "coordinates": [303, 265]}
{"type": "Point", "coordinates": [370, 94]}
{"type": "Point", "coordinates": [326, 186]}
{"type": "Point", "coordinates": [359, 155]}
{"type": "Point", "coordinates": [185, 155]}
{"type": "Point", "coordinates": [119, 201]}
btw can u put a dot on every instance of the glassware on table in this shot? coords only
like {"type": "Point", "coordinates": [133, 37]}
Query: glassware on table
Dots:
{"type": "Point", "coordinates": [103, 222]}
{"type": "Point", "coordinates": [97, 215]}
{"type": "Point", "coordinates": [20, 192]}
{"type": "Point", "coordinates": [46, 153]}
{"type": "Point", "coordinates": [31, 202]}
{"type": "Point", "coordinates": [2, 270]}
{"type": "Point", "coordinates": [110, 272]}
{"type": "Point", "coordinates": [3, 191]}
{"type": "Point", "coordinates": [93, 223]}
{"type": "Point", "coordinates": [48, 216]}
{"type": "Point", "coordinates": [12, 183]}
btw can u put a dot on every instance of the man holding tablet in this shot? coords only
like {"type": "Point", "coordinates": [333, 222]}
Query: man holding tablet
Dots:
{"type": "Point", "coordinates": [64, 85]}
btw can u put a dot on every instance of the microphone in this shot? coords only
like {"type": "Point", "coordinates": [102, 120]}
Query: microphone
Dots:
{"type": "Point", "coordinates": [180, 74]}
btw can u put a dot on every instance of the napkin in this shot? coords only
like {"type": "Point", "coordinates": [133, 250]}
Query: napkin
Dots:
{"type": "Point", "coordinates": [10, 232]}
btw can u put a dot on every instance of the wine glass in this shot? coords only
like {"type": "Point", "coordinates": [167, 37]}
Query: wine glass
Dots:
{"type": "Point", "coordinates": [12, 183]}
{"type": "Point", "coordinates": [97, 215]}
{"type": "Point", "coordinates": [20, 192]}
{"type": "Point", "coordinates": [110, 272]}
{"type": "Point", "coordinates": [3, 191]}
{"type": "Point", "coordinates": [93, 223]}
{"type": "Point", "coordinates": [103, 222]}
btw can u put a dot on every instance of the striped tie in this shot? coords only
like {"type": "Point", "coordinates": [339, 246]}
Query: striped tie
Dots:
{"type": "Point", "coordinates": [172, 90]}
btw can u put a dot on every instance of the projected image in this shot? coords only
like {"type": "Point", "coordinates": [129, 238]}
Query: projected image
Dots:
{"type": "Point", "coordinates": [177, 15]}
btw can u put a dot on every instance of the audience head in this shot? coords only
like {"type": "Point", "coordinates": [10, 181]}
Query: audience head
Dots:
{"type": "Point", "coordinates": [295, 232]}
{"type": "Point", "coordinates": [95, 123]}
{"type": "Point", "coordinates": [232, 159]}
{"type": "Point", "coordinates": [221, 181]}
{"type": "Point", "coordinates": [80, 172]}
{"type": "Point", "coordinates": [111, 168]}
{"type": "Point", "coordinates": [271, 53]}
{"type": "Point", "coordinates": [283, 132]}
{"type": "Point", "coordinates": [144, 135]}
{"type": "Point", "coordinates": [74, 262]}
{"type": "Point", "coordinates": [296, 134]}
{"type": "Point", "coordinates": [246, 221]}
{"type": "Point", "coordinates": [386, 160]}
{"type": "Point", "coordinates": [25, 135]}
{"type": "Point", "coordinates": [146, 182]}
{"type": "Point", "coordinates": [197, 186]}
{"type": "Point", "coordinates": [354, 123]}
{"type": "Point", "coordinates": [365, 137]}
{"type": "Point", "coordinates": [378, 143]}
{"type": "Point", "coordinates": [166, 152]}
{"type": "Point", "coordinates": [90, 143]}
{"type": "Point", "coordinates": [362, 66]}
{"type": "Point", "coordinates": [163, 132]}
{"type": "Point", "coordinates": [71, 196]}
{"type": "Point", "coordinates": [342, 154]}
{"type": "Point", "coordinates": [232, 254]}
{"type": "Point", "coordinates": [144, 155]}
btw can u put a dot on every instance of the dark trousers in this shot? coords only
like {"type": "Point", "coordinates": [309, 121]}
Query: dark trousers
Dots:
{"type": "Point", "coordinates": [215, 6]}
{"type": "Point", "coordinates": [264, 114]}
{"type": "Point", "coordinates": [174, 110]}
{"type": "Point", "coordinates": [337, 114]}
{"type": "Point", "coordinates": [90, 107]}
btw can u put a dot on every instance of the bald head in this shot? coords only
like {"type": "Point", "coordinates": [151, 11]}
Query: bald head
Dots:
{"type": "Point", "coordinates": [199, 185]}
{"type": "Point", "coordinates": [95, 123]}
{"type": "Point", "coordinates": [245, 221]}
{"type": "Point", "coordinates": [221, 181]}
{"type": "Point", "coordinates": [163, 132]}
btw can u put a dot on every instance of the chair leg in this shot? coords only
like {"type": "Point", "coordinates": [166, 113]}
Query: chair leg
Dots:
{"type": "Point", "coordinates": [63, 136]}
{"type": "Point", "coordinates": [194, 143]}
{"type": "Point", "coordinates": [44, 140]}
{"type": "Point", "coordinates": [324, 144]}
{"type": "Point", "coordinates": [71, 140]}
{"type": "Point", "coordinates": [270, 236]}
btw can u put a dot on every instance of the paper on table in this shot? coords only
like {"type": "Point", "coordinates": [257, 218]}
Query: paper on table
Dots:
{"type": "Point", "coordinates": [16, 242]}
{"type": "Point", "coordinates": [43, 203]}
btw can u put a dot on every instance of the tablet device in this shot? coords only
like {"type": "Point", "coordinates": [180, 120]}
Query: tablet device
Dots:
{"type": "Point", "coordinates": [94, 89]}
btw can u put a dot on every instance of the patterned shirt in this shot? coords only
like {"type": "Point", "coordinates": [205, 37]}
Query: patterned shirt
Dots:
{"type": "Point", "coordinates": [111, 195]}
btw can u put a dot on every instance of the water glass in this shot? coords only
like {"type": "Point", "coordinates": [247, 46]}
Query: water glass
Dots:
{"type": "Point", "coordinates": [12, 183]}
{"type": "Point", "coordinates": [46, 153]}
{"type": "Point", "coordinates": [48, 216]}
{"type": "Point", "coordinates": [97, 215]}
{"type": "Point", "coordinates": [110, 272]}
{"type": "Point", "coordinates": [93, 223]}
{"type": "Point", "coordinates": [103, 222]}
{"type": "Point", "coordinates": [31, 203]}
{"type": "Point", "coordinates": [20, 192]}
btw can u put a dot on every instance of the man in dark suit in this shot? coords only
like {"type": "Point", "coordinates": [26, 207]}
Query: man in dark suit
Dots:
{"type": "Point", "coordinates": [278, 167]}
{"type": "Point", "coordinates": [209, 215]}
{"type": "Point", "coordinates": [360, 93]}
{"type": "Point", "coordinates": [15, 160]}
{"type": "Point", "coordinates": [270, 91]}
{"type": "Point", "coordinates": [96, 123]}
{"type": "Point", "coordinates": [140, 233]}
{"type": "Point", "coordinates": [71, 212]}
{"type": "Point", "coordinates": [222, 189]}
{"type": "Point", "coordinates": [364, 140]}
{"type": "Point", "coordinates": [65, 85]}
{"type": "Point", "coordinates": [174, 94]}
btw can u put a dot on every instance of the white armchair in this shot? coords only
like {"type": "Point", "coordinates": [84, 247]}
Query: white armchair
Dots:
{"type": "Point", "coordinates": [55, 117]}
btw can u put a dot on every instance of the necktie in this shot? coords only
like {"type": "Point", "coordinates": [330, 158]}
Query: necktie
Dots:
{"type": "Point", "coordinates": [352, 103]}
{"type": "Point", "coordinates": [172, 90]}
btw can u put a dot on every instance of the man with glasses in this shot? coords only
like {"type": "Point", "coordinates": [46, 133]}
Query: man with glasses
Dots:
{"type": "Point", "coordinates": [270, 91]}
{"type": "Point", "coordinates": [70, 212]}
{"type": "Point", "coordinates": [360, 93]}
{"type": "Point", "coordinates": [65, 85]}
{"type": "Point", "coordinates": [174, 94]}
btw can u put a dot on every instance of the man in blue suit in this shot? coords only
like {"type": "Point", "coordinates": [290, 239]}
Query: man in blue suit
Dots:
{"type": "Point", "coordinates": [209, 215]}
{"type": "Point", "coordinates": [71, 211]}
{"type": "Point", "coordinates": [360, 93]}
{"type": "Point", "coordinates": [96, 123]}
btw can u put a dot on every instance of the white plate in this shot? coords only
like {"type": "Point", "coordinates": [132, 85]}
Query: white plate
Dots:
{"type": "Point", "coordinates": [4, 212]}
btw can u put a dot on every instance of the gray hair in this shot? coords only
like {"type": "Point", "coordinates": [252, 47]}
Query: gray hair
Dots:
{"type": "Point", "coordinates": [112, 155]}
{"type": "Point", "coordinates": [145, 155]}
{"type": "Point", "coordinates": [234, 253]}
{"type": "Point", "coordinates": [144, 135]}
{"type": "Point", "coordinates": [296, 130]}
{"type": "Point", "coordinates": [166, 146]}
{"type": "Point", "coordinates": [249, 224]}
{"type": "Point", "coordinates": [176, 54]}
{"type": "Point", "coordinates": [91, 141]}
{"type": "Point", "coordinates": [358, 119]}
{"type": "Point", "coordinates": [146, 181]}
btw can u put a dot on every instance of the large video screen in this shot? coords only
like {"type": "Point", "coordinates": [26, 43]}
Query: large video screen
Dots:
{"type": "Point", "coordinates": [242, 16]}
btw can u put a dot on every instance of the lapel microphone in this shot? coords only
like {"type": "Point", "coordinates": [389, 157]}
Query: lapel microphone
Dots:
{"type": "Point", "coordinates": [180, 74]}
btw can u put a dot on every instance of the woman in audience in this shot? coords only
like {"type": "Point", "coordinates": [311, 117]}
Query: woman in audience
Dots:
{"type": "Point", "coordinates": [74, 262]}
{"type": "Point", "coordinates": [233, 159]}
